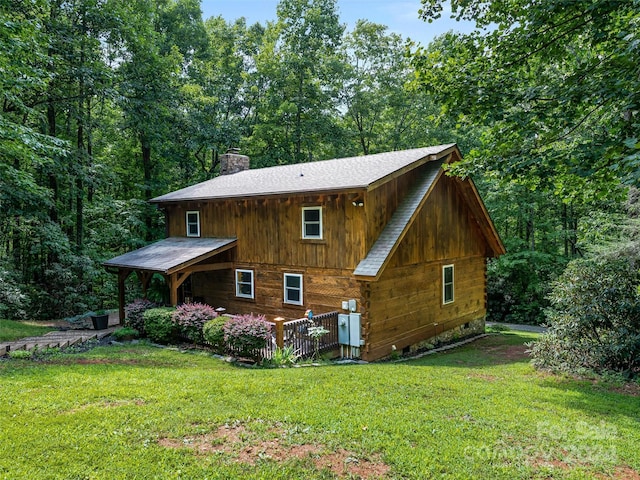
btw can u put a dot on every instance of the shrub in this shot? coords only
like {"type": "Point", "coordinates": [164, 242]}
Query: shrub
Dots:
{"type": "Point", "coordinates": [518, 284]}
{"type": "Point", "coordinates": [594, 319]}
{"type": "Point", "coordinates": [191, 317]}
{"type": "Point", "coordinates": [20, 354]}
{"type": "Point", "coordinates": [213, 333]}
{"type": "Point", "coordinates": [13, 302]}
{"type": "Point", "coordinates": [159, 325]}
{"type": "Point", "coordinates": [247, 334]}
{"type": "Point", "coordinates": [134, 313]}
{"type": "Point", "coordinates": [125, 333]}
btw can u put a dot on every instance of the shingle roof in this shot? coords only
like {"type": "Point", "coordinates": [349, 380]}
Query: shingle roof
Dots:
{"type": "Point", "coordinates": [170, 254]}
{"type": "Point", "coordinates": [327, 175]}
{"type": "Point", "coordinates": [393, 232]}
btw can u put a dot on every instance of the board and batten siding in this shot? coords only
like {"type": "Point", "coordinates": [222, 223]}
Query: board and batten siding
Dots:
{"type": "Point", "coordinates": [269, 231]}
{"type": "Point", "coordinates": [405, 307]}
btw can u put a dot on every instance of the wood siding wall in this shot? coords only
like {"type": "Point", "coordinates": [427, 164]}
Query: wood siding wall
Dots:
{"type": "Point", "coordinates": [269, 231]}
{"type": "Point", "coordinates": [323, 290]}
{"type": "Point", "coordinates": [404, 306]}
{"type": "Point", "coordinates": [381, 203]}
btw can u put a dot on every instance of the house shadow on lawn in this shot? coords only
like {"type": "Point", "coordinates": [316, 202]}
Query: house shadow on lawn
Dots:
{"type": "Point", "coordinates": [495, 349]}
{"type": "Point", "coordinates": [596, 396]}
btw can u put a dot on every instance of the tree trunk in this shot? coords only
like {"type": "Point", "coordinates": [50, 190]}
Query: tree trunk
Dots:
{"type": "Point", "coordinates": [147, 170]}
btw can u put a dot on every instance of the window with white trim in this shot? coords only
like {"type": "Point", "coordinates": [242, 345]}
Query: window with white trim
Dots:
{"type": "Point", "coordinates": [447, 284]}
{"type": "Point", "coordinates": [312, 222]}
{"type": "Point", "coordinates": [193, 224]}
{"type": "Point", "coordinates": [293, 288]}
{"type": "Point", "coordinates": [244, 283]}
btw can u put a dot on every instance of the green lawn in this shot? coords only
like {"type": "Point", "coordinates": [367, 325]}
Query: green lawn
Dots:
{"type": "Point", "coordinates": [10, 330]}
{"type": "Point", "coordinates": [480, 411]}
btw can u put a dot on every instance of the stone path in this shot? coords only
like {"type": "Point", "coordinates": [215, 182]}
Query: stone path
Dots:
{"type": "Point", "coordinates": [519, 327]}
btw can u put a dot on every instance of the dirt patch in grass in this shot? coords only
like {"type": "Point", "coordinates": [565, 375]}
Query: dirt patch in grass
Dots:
{"type": "Point", "coordinates": [483, 376]}
{"type": "Point", "coordinates": [631, 389]}
{"type": "Point", "coordinates": [108, 404]}
{"type": "Point", "coordinates": [619, 472]}
{"type": "Point", "coordinates": [245, 446]}
{"type": "Point", "coordinates": [510, 353]}
{"type": "Point", "coordinates": [624, 473]}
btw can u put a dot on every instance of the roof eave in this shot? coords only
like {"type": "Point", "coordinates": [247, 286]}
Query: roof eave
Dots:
{"type": "Point", "coordinates": [301, 193]}
{"type": "Point", "coordinates": [452, 153]}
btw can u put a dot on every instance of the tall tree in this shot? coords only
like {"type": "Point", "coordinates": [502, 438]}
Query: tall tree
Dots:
{"type": "Point", "coordinates": [557, 81]}
{"type": "Point", "coordinates": [222, 94]}
{"type": "Point", "coordinates": [298, 62]}
{"type": "Point", "coordinates": [154, 54]}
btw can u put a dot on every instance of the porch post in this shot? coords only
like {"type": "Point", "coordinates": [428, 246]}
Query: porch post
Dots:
{"type": "Point", "coordinates": [173, 288]}
{"type": "Point", "coordinates": [279, 321]}
{"type": "Point", "coordinates": [122, 276]}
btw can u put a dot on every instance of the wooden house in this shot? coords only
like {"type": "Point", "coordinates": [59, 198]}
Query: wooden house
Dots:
{"type": "Point", "coordinates": [390, 230]}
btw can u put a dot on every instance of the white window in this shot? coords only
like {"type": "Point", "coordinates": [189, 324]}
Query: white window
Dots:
{"type": "Point", "coordinates": [447, 284]}
{"type": "Point", "coordinates": [193, 224]}
{"type": "Point", "coordinates": [293, 288]}
{"type": "Point", "coordinates": [312, 222]}
{"type": "Point", "coordinates": [244, 283]}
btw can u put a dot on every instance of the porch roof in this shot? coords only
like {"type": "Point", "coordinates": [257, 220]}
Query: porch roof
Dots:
{"type": "Point", "coordinates": [171, 254]}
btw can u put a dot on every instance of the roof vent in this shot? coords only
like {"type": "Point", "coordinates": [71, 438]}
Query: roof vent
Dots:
{"type": "Point", "coordinates": [232, 162]}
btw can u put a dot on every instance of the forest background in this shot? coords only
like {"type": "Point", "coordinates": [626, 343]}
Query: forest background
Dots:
{"type": "Point", "coordinates": [108, 103]}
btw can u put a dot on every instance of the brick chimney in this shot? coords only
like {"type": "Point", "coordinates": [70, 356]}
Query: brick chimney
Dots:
{"type": "Point", "coordinates": [232, 162]}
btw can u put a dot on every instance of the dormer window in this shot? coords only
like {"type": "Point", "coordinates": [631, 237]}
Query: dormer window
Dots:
{"type": "Point", "coordinates": [312, 223]}
{"type": "Point", "coordinates": [193, 224]}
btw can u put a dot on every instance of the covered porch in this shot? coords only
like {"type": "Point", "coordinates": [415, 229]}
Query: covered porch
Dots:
{"type": "Point", "coordinates": [175, 258]}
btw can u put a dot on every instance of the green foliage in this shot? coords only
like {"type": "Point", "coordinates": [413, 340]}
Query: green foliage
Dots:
{"type": "Point", "coordinates": [284, 357]}
{"type": "Point", "coordinates": [134, 313]}
{"type": "Point", "coordinates": [159, 325]}
{"type": "Point", "coordinates": [554, 81]}
{"type": "Point", "coordinates": [594, 317]}
{"type": "Point", "coordinates": [13, 302]}
{"type": "Point", "coordinates": [213, 333]}
{"type": "Point", "coordinates": [20, 354]}
{"type": "Point", "coordinates": [518, 284]}
{"type": "Point", "coordinates": [125, 333]}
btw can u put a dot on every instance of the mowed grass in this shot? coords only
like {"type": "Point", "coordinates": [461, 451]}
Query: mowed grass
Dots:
{"type": "Point", "coordinates": [11, 330]}
{"type": "Point", "coordinates": [479, 411]}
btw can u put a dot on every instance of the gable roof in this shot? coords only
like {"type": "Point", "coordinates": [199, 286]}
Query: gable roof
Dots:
{"type": "Point", "coordinates": [171, 254]}
{"type": "Point", "coordinates": [351, 173]}
{"type": "Point", "coordinates": [392, 234]}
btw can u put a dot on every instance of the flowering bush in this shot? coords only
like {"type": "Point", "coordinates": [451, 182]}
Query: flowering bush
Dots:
{"type": "Point", "coordinates": [191, 317]}
{"type": "Point", "coordinates": [247, 334]}
{"type": "Point", "coordinates": [134, 313]}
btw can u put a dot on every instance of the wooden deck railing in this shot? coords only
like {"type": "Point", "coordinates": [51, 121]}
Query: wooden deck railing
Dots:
{"type": "Point", "coordinates": [295, 333]}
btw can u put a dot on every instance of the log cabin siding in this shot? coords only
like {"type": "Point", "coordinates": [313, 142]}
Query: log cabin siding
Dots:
{"type": "Point", "coordinates": [323, 290]}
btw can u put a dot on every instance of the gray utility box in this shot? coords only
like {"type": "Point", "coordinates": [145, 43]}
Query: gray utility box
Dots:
{"type": "Point", "coordinates": [349, 329]}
